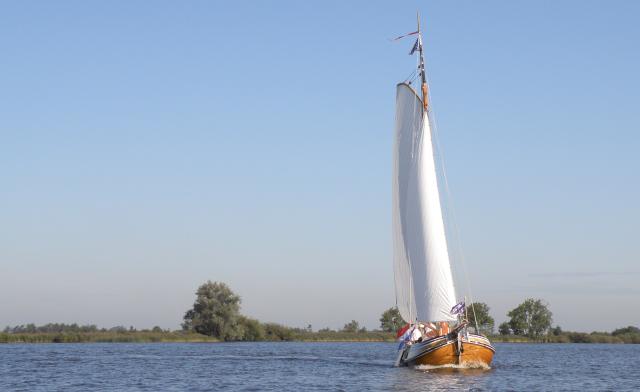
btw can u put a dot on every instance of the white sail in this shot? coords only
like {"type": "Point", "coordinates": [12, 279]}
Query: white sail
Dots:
{"type": "Point", "coordinates": [424, 285]}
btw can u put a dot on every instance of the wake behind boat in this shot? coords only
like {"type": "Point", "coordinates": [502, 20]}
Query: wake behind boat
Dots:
{"type": "Point", "coordinates": [438, 332]}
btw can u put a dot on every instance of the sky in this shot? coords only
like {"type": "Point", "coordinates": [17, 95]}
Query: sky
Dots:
{"type": "Point", "coordinates": [146, 148]}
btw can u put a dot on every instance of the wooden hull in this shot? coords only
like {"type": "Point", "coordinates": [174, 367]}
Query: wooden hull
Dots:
{"type": "Point", "coordinates": [474, 351]}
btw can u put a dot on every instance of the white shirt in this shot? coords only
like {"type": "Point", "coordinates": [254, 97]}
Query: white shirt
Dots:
{"type": "Point", "coordinates": [416, 334]}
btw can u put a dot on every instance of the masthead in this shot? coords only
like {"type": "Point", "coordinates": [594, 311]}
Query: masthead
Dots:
{"type": "Point", "coordinates": [425, 94]}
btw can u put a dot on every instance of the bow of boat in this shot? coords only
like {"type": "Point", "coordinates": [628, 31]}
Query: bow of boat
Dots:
{"type": "Point", "coordinates": [467, 350]}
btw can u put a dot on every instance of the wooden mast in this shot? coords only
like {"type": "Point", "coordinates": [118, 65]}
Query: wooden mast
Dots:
{"type": "Point", "coordinates": [425, 95]}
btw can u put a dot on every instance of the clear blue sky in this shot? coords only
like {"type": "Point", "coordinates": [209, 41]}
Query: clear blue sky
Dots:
{"type": "Point", "coordinates": [146, 147]}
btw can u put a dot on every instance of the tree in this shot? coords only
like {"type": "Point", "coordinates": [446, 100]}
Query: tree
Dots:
{"type": "Point", "coordinates": [215, 312]}
{"type": "Point", "coordinates": [479, 312]}
{"type": "Point", "coordinates": [628, 334]}
{"type": "Point", "coordinates": [251, 329]}
{"type": "Point", "coordinates": [277, 332]}
{"type": "Point", "coordinates": [627, 330]}
{"type": "Point", "coordinates": [531, 318]}
{"type": "Point", "coordinates": [391, 321]}
{"type": "Point", "coordinates": [504, 329]}
{"type": "Point", "coordinates": [351, 326]}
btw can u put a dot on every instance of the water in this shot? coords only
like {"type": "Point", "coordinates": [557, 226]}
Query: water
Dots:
{"type": "Point", "coordinates": [307, 367]}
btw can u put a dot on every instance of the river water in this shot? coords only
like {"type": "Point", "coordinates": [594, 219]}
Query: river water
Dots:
{"type": "Point", "coordinates": [291, 366]}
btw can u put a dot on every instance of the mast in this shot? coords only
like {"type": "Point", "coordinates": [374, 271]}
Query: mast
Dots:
{"type": "Point", "coordinates": [422, 269]}
{"type": "Point", "coordinates": [425, 95]}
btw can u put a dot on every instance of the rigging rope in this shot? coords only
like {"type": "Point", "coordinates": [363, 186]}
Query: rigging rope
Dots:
{"type": "Point", "coordinates": [412, 76]}
{"type": "Point", "coordinates": [451, 206]}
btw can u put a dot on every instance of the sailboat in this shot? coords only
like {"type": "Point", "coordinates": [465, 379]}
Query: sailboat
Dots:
{"type": "Point", "coordinates": [438, 333]}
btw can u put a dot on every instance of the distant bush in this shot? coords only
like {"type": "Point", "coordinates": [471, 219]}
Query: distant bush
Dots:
{"type": "Point", "coordinates": [51, 328]}
{"type": "Point", "coordinates": [328, 335]}
{"type": "Point", "coordinates": [351, 326]}
{"type": "Point", "coordinates": [628, 334]}
{"type": "Point", "coordinates": [626, 331]}
{"type": "Point", "coordinates": [252, 330]}
{"type": "Point", "coordinates": [275, 332]}
{"type": "Point", "coordinates": [215, 312]}
{"type": "Point", "coordinates": [391, 320]}
{"type": "Point", "coordinates": [104, 337]}
{"type": "Point", "coordinates": [622, 335]}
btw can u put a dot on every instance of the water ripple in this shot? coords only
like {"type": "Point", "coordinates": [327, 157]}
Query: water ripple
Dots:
{"type": "Point", "coordinates": [308, 367]}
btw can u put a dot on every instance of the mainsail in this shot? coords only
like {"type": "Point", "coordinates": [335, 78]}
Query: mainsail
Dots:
{"type": "Point", "coordinates": [424, 285]}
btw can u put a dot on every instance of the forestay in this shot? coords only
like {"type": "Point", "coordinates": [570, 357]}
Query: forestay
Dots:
{"type": "Point", "coordinates": [423, 281]}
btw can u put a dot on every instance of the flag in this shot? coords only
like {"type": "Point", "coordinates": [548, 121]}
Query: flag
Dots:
{"type": "Point", "coordinates": [458, 308]}
{"type": "Point", "coordinates": [404, 335]}
{"type": "Point", "coordinates": [402, 330]}
{"type": "Point", "coordinates": [406, 35]}
{"type": "Point", "coordinates": [416, 46]}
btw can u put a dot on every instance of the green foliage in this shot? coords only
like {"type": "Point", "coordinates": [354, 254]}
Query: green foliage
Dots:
{"type": "Point", "coordinates": [273, 331]}
{"type": "Point", "coordinates": [557, 335]}
{"type": "Point", "coordinates": [51, 328]}
{"type": "Point", "coordinates": [351, 326]}
{"type": "Point", "coordinates": [479, 311]}
{"type": "Point", "coordinates": [215, 312]}
{"type": "Point", "coordinates": [627, 330]}
{"type": "Point", "coordinates": [391, 321]}
{"type": "Point", "coordinates": [531, 318]}
{"type": "Point", "coordinates": [252, 329]}
{"type": "Point", "coordinates": [628, 334]}
{"type": "Point", "coordinates": [582, 337]}
{"type": "Point", "coordinates": [328, 335]}
{"type": "Point", "coordinates": [103, 337]}
{"type": "Point", "coordinates": [504, 329]}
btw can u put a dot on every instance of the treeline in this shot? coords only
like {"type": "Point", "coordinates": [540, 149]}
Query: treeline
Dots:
{"type": "Point", "coordinates": [70, 333]}
{"type": "Point", "coordinates": [629, 335]}
{"type": "Point", "coordinates": [216, 313]}
{"type": "Point", "coordinates": [271, 332]}
{"type": "Point", "coordinates": [215, 316]}
{"type": "Point", "coordinates": [105, 337]}
{"type": "Point", "coordinates": [73, 328]}
{"type": "Point", "coordinates": [531, 321]}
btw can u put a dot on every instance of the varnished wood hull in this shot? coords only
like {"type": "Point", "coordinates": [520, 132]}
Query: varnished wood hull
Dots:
{"type": "Point", "coordinates": [475, 351]}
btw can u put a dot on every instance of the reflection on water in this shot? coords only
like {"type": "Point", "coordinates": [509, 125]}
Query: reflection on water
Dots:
{"type": "Point", "coordinates": [464, 368]}
{"type": "Point", "coordinates": [308, 367]}
{"type": "Point", "coordinates": [432, 378]}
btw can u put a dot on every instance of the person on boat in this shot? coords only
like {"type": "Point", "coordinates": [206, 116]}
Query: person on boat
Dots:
{"type": "Point", "coordinates": [422, 330]}
{"type": "Point", "coordinates": [416, 334]}
{"type": "Point", "coordinates": [443, 328]}
{"type": "Point", "coordinates": [430, 331]}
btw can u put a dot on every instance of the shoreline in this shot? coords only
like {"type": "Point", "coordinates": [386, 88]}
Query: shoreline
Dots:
{"type": "Point", "coordinates": [307, 337]}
